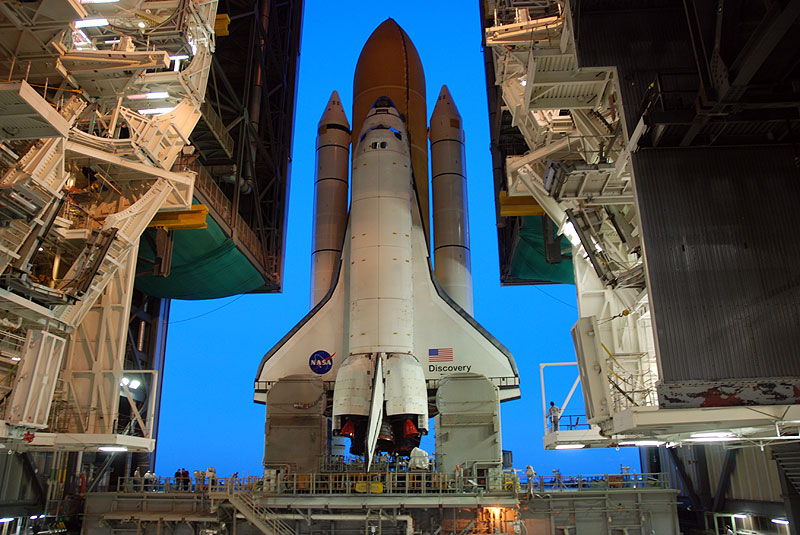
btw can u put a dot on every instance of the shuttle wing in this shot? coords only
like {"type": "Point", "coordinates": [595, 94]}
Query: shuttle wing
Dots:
{"type": "Point", "coordinates": [317, 345]}
{"type": "Point", "coordinates": [447, 340]}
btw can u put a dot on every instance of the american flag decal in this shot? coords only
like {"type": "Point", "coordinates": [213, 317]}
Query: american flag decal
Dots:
{"type": "Point", "coordinates": [440, 354]}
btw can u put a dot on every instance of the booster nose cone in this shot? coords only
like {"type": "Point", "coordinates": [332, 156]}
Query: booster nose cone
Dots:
{"type": "Point", "coordinates": [445, 105]}
{"type": "Point", "coordinates": [334, 114]}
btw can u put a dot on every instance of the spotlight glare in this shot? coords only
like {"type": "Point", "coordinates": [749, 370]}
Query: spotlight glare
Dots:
{"type": "Point", "coordinates": [91, 23]}
{"type": "Point", "coordinates": [148, 96]}
{"type": "Point", "coordinates": [642, 443]}
{"type": "Point", "coordinates": [714, 434]}
{"type": "Point", "coordinates": [155, 111]}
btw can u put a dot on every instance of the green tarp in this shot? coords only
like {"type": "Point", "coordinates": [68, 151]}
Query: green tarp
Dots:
{"type": "Point", "coordinates": [528, 263]}
{"type": "Point", "coordinates": [205, 265]}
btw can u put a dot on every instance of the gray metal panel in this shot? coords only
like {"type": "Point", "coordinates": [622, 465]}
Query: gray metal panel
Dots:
{"type": "Point", "coordinates": [296, 428]}
{"type": "Point", "coordinates": [719, 228]}
{"type": "Point", "coordinates": [649, 37]}
{"type": "Point", "coordinates": [468, 423]}
{"type": "Point", "coordinates": [755, 477]}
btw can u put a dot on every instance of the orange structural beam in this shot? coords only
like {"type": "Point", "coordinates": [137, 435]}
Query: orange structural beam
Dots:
{"type": "Point", "coordinates": [518, 206]}
{"type": "Point", "coordinates": [194, 218]}
{"type": "Point", "coordinates": [221, 25]}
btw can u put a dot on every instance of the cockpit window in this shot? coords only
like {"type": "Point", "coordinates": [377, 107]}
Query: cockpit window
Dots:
{"type": "Point", "coordinates": [396, 132]}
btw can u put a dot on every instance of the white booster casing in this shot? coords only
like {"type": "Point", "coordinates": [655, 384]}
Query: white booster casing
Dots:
{"type": "Point", "coordinates": [405, 388]}
{"type": "Point", "coordinates": [353, 388]}
{"type": "Point", "coordinates": [330, 196]}
{"type": "Point", "coordinates": [450, 213]}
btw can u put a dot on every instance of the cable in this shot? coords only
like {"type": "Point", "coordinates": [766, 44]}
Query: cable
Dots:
{"type": "Point", "coordinates": [555, 298]}
{"type": "Point", "coordinates": [206, 313]}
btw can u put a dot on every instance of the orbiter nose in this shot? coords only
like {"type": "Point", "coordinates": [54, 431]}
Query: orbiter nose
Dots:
{"type": "Point", "coordinates": [389, 65]}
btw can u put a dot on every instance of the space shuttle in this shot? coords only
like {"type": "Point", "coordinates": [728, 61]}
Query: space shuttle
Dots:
{"type": "Point", "coordinates": [385, 328]}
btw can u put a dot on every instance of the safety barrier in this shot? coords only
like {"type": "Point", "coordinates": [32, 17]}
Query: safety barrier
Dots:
{"type": "Point", "coordinates": [402, 482]}
{"type": "Point", "coordinates": [558, 482]}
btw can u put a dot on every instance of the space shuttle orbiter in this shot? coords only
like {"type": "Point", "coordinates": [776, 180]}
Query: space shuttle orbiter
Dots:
{"type": "Point", "coordinates": [384, 329]}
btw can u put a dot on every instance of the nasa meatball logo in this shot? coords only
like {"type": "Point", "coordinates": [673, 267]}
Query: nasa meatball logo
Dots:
{"type": "Point", "coordinates": [320, 362]}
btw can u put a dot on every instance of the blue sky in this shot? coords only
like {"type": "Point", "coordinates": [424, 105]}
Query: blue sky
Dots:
{"type": "Point", "coordinates": [214, 347]}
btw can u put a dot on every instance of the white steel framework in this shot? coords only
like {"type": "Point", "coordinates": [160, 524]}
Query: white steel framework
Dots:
{"type": "Point", "coordinates": [97, 103]}
{"type": "Point", "coordinates": [578, 170]}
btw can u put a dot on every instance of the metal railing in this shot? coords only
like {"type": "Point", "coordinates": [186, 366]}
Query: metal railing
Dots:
{"type": "Point", "coordinates": [670, 91]}
{"type": "Point", "coordinates": [394, 483]}
{"type": "Point", "coordinates": [211, 192]}
{"type": "Point", "coordinates": [217, 127]}
{"type": "Point", "coordinates": [566, 483]}
{"type": "Point", "coordinates": [510, 12]}
{"type": "Point", "coordinates": [11, 344]}
{"type": "Point", "coordinates": [572, 422]}
{"type": "Point", "coordinates": [316, 484]}
{"type": "Point", "coordinates": [632, 380]}
{"type": "Point", "coordinates": [411, 482]}
{"type": "Point", "coordinates": [264, 518]}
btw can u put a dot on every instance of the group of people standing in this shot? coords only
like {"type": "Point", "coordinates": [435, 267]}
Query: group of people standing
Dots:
{"type": "Point", "coordinates": [146, 482]}
{"type": "Point", "coordinates": [182, 480]}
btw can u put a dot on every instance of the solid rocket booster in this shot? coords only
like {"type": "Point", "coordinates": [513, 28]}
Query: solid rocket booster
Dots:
{"type": "Point", "coordinates": [330, 196]}
{"type": "Point", "coordinates": [449, 185]}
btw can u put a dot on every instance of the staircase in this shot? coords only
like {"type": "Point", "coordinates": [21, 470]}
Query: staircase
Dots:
{"type": "Point", "coordinates": [788, 457]}
{"type": "Point", "coordinates": [261, 517]}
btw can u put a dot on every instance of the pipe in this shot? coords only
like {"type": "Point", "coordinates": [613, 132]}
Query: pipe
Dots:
{"type": "Point", "coordinates": [246, 184]}
{"type": "Point", "coordinates": [256, 95]}
{"type": "Point", "coordinates": [56, 267]}
{"type": "Point", "coordinates": [329, 516]}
